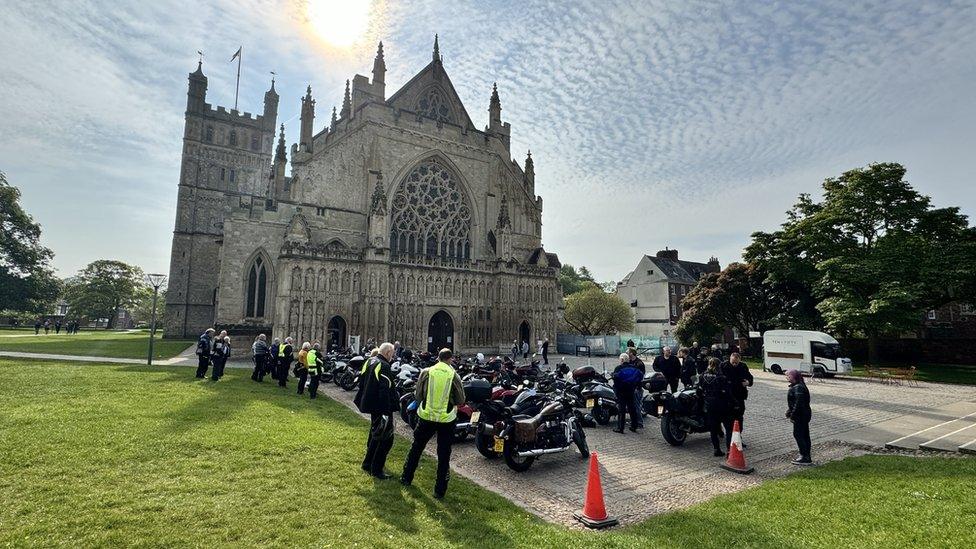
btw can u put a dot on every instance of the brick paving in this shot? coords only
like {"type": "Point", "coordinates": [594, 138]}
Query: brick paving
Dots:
{"type": "Point", "coordinates": [643, 475]}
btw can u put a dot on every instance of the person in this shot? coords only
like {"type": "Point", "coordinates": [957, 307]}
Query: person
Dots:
{"type": "Point", "coordinates": [37, 326]}
{"type": "Point", "coordinates": [717, 396]}
{"type": "Point", "coordinates": [515, 350]}
{"type": "Point", "coordinates": [301, 366]}
{"type": "Point", "coordinates": [626, 378]}
{"type": "Point", "coordinates": [397, 349]}
{"type": "Point", "coordinates": [57, 326]}
{"type": "Point", "coordinates": [741, 379]}
{"type": "Point", "coordinates": [259, 351]}
{"type": "Point", "coordinates": [669, 366]}
{"type": "Point", "coordinates": [525, 349]}
{"type": "Point", "coordinates": [639, 390]}
{"type": "Point", "coordinates": [687, 367]}
{"type": "Point", "coordinates": [545, 351]}
{"type": "Point", "coordinates": [377, 397]}
{"type": "Point", "coordinates": [695, 352]}
{"type": "Point", "coordinates": [440, 392]}
{"type": "Point", "coordinates": [313, 362]}
{"type": "Point", "coordinates": [271, 364]}
{"type": "Point", "coordinates": [204, 350]}
{"type": "Point", "coordinates": [47, 325]}
{"type": "Point", "coordinates": [631, 344]}
{"type": "Point", "coordinates": [799, 412]}
{"type": "Point", "coordinates": [283, 363]}
{"type": "Point", "coordinates": [221, 352]}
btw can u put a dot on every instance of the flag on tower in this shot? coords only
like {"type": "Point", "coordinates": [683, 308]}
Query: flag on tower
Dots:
{"type": "Point", "coordinates": [237, 54]}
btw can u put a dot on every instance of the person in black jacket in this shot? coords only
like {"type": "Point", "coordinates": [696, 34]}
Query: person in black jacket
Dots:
{"type": "Point", "coordinates": [799, 412]}
{"type": "Point", "coordinates": [260, 352]}
{"type": "Point", "coordinates": [378, 398]}
{"type": "Point", "coordinates": [688, 368]}
{"type": "Point", "coordinates": [668, 365]}
{"type": "Point", "coordinates": [639, 390]}
{"type": "Point", "coordinates": [741, 379]}
{"type": "Point", "coordinates": [626, 378]}
{"type": "Point", "coordinates": [283, 360]}
{"type": "Point", "coordinates": [717, 393]}
{"type": "Point", "coordinates": [204, 350]}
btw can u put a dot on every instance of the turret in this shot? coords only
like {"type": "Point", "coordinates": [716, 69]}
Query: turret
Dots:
{"type": "Point", "coordinates": [335, 119]}
{"type": "Point", "coordinates": [494, 109]}
{"type": "Point", "coordinates": [503, 230]}
{"type": "Point", "coordinates": [379, 73]}
{"type": "Point", "coordinates": [308, 116]}
{"type": "Point", "coordinates": [196, 95]}
{"type": "Point", "coordinates": [437, 51]}
{"type": "Point", "coordinates": [270, 107]}
{"type": "Point", "coordinates": [346, 111]}
{"type": "Point", "coordinates": [530, 173]}
{"type": "Point", "coordinates": [278, 170]}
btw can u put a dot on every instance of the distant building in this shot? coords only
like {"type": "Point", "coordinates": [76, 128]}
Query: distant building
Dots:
{"type": "Point", "coordinates": [655, 288]}
{"type": "Point", "coordinates": [951, 321]}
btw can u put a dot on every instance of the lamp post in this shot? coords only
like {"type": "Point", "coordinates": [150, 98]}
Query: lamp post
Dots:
{"type": "Point", "coordinates": [154, 280]}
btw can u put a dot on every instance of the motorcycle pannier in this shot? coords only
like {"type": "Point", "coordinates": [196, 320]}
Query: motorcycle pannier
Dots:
{"type": "Point", "coordinates": [583, 373]}
{"type": "Point", "coordinates": [477, 390]}
{"type": "Point", "coordinates": [656, 383]}
{"type": "Point", "coordinates": [525, 431]}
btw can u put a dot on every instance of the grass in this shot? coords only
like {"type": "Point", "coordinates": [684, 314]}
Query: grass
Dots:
{"type": "Point", "coordinates": [129, 455]}
{"type": "Point", "coordinates": [134, 344]}
{"type": "Point", "coordinates": [941, 373]}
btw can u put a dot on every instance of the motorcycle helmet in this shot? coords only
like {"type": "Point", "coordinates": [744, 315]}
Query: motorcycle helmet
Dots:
{"type": "Point", "coordinates": [481, 358]}
{"type": "Point", "coordinates": [406, 355]}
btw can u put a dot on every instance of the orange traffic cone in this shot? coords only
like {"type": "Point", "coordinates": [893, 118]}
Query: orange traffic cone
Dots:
{"type": "Point", "coordinates": [736, 461]}
{"type": "Point", "coordinates": [594, 513]}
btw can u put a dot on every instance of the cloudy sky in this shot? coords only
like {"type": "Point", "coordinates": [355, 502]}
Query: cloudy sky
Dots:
{"type": "Point", "coordinates": [652, 124]}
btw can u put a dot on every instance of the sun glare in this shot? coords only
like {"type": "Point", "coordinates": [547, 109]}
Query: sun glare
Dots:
{"type": "Point", "coordinates": [338, 22]}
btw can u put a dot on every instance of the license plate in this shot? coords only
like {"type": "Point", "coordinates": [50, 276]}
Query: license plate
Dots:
{"type": "Point", "coordinates": [590, 403]}
{"type": "Point", "coordinates": [660, 410]}
{"type": "Point", "coordinates": [475, 416]}
{"type": "Point", "coordinates": [499, 444]}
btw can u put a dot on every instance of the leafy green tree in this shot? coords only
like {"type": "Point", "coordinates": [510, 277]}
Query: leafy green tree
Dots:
{"type": "Point", "coordinates": [592, 311]}
{"type": "Point", "coordinates": [571, 280]}
{"type": "Point", "coordinates": [27, 283]}
{"type": "Point", "coordinates": [873, 254]}
{"type": "Point", "coordinates": [737, 297]}
{"type": "Point", "coordinates": [104, 287]}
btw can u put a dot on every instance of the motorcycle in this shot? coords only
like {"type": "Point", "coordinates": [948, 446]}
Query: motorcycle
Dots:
{"type": "Point", "coordinates": [681, 413]}
{"type": "Point", "coordinates": [475, 391]}
{"type": "Point", "coordinates": [555, 428]}
{"type": "Point", "coordinates": [594, 389]}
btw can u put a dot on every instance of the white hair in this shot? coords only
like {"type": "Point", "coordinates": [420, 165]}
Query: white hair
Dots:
{"type": "Point", "coordinates": [306, 346]}
{"type": "Point", "coordinates": [385, 348]}
{"type": "Point", "coordinates": [624, 357]}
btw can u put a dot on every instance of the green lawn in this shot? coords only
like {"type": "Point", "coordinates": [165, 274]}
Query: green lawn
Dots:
{"type": "Point", "coordinates": [942, 373]}
{"type": "Point", "coordinates": [130, 455]}
{"type": "Point", "coordinates": [92, 343]}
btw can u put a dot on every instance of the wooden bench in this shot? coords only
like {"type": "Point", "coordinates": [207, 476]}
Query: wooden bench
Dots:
{"type": "Point", "coordinates": [874, 373]}
{"type": "Point", "coordinates": [898, 375]}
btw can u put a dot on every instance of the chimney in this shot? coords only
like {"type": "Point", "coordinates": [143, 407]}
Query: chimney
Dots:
{"type": "Point", "coordinates": [668, 253]}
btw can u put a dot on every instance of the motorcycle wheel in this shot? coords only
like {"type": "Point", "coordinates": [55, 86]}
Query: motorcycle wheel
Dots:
{"type": "Point", "coordinates": [327, 377]}
{"type": "Point", "coordinates": [347, 382]}
{"type": "Point", "coordinates": [579, 437]}
{"type": "Point", "coordinates": [486, 445]}
{"type": "Point", "coordinates": [460, 435]}
{"type": "Point", "coordinates": [404, 413]}
{"type": "Point", "coordinates": [515, 463]}
{"type": "Point", "coordinates": [672, 432]}
{"type": "Point", "coordinates": [776, 369]}
{"type": "Point", "coordinates": [601, 415]}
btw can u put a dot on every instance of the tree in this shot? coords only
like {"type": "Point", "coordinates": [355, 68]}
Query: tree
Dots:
{"type": "Point", "coordinates": [737, 297]}
{"type": "Point", "coordinates": [591, 311]}
{"type": "Point", "coordinates": [27, 283]}
{"type": "Point", "coordinates": [571, 280]}
{"type": "Point", "coordinates": [873, 255]}
{"type": "Point", "coordinates": [142, 309]}
{"type": "Point", "coordinates": [104, 287]}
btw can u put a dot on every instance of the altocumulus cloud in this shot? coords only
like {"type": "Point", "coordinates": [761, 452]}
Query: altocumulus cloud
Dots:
{"type": "Point", "coordinates": [684, 124]}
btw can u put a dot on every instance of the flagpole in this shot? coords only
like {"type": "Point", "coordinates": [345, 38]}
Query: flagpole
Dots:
{"type": "Point", "coordinates": [237, 88]}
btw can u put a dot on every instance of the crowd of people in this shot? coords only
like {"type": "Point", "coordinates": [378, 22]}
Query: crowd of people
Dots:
{"type": "Point", "coordinates": [70, 327]}
{"type": "Point", "coordinates": [439, 392]}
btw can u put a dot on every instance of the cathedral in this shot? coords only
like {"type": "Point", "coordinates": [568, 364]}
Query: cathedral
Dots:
{"type": "Point", "coordinates": [400, 220]}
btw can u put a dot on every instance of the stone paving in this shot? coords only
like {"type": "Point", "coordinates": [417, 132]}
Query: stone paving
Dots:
{"type": "Point", "coordinates": [642, 475]}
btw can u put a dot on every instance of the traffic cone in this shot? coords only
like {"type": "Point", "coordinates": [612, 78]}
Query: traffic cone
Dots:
{"type": "Point", "coordinates": [594, 513]}
{"type": "Point", "coordinates": [736, 461]}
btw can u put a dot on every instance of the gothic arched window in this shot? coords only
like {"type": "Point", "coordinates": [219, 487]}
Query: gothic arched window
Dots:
{"type": "Point", "coordinates": [257, 285]}
{"type": "Point", "coordinates": [233, 138]}
{"type": "Point", "coordinates": [433, 104]}
{"type": "Point", "coordinates": [430, 215]}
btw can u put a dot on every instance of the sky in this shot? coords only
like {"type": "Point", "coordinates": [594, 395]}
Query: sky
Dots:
{"type": "Point", "coordinates": [686, 125]}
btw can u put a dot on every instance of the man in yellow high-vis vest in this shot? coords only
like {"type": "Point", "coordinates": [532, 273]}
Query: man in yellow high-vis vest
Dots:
{"type": "Point", "coordinates": [439, 392]}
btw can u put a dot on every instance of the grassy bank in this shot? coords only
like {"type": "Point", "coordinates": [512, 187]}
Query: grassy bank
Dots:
{"type": "Point", "coordinates": [111, 344]}
{"type": "Point", "coordinates": [126, 455]}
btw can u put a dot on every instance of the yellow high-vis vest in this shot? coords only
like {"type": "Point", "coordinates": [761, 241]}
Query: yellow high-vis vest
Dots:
{"type": "Point", "coordinates": [313, 368]}
{"type": "Point", "coordinates": [440, 378]}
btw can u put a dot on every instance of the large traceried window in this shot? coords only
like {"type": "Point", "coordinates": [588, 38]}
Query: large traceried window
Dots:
{"type": "Point", "coordinates": [257, 285]}
{"type": "Point", "coordinates": [430, 215]}
{"type": "Point", "coordinates": [433, 104]}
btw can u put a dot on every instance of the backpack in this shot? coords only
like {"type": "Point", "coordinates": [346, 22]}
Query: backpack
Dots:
{"type": "Point", "coordinates": [628, 375]}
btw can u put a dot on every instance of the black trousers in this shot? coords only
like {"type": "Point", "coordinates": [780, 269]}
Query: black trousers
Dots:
{"type": "Point", "coordinates": [259, 367]}
{"type": "Point", "coordinates": [627, 404]}
{"type": "Point", "coordinates": [202, 365]}
{"type": "Point", "coordinates": [545, 357]}
{"type": "Point", "coordinates": [218, 367]}
{"type": "Point", "coordinates": [379, 443]}
{"type": "Point", "coordinates": [314, 377]}
{"type": "Point", "coordinates": [673, 383]}
{"type": "Point", "coordinates": [716, 421]}
{"type": "Point", "coordinates": [283, 366]}
{"type": "Point", "coordinates": [302, 379]}
{"type": "Point", "coordinates": [422, 434]}
{"type": "Point", "coordinates": [801, 432]}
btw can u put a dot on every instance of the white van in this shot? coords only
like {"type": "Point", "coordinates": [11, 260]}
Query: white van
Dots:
{"type": "Point", "coordinates": [803, 350]}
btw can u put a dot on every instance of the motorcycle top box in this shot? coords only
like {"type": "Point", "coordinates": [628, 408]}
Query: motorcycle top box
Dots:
{"type": "Point", "coordinates": [655, 382]}
{"type": "Point", "coordinates": [477, 390]}
{"type": "Point", "coordinates": [583, 374]}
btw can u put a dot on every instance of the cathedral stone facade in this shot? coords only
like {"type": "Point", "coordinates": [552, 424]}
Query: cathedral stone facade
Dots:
{"type": "Point", "coordinates": [400, 221]}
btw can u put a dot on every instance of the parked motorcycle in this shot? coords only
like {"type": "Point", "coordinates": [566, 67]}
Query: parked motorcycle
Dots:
{"type": "Point", "coordinates": [555, 428]}
{"type": "Point", "coordinates": [681, 413]}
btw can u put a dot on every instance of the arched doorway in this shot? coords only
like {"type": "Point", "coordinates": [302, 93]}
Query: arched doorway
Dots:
{"type": "Point", "coordinates": [440, 332]}
{"type": "Point", "coordinates": [337, 333]}
{"type": "Point", "coordinates": [525, 334]}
